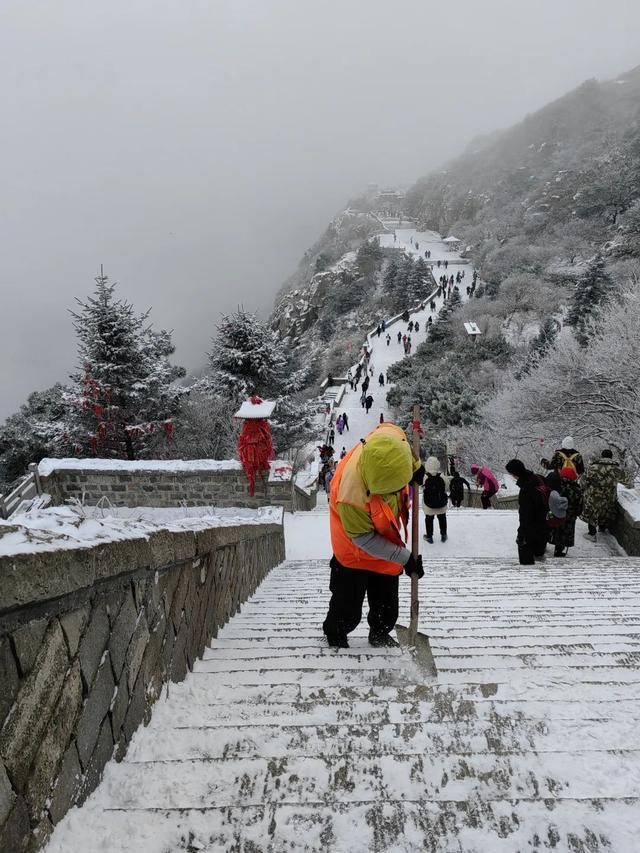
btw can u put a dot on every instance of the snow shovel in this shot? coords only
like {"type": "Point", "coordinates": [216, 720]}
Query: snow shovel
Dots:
{"type": "Point", "coordinates": [410, 638]}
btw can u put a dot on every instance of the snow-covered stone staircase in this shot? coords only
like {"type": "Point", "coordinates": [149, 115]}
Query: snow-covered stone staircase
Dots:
{"type": "Point", "coordinates": [526, 741]}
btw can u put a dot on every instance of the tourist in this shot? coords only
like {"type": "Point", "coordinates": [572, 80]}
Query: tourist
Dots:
{"type": "Point", "coordinates": [487, 481]}
{"type": "Point", "coordinates": [599, 484]}
{"type": "Point", "coordinates": [532, 533]}
{"type": "Point", "coordinates": [434, 496]}
{"type": "Point", "coordinates": [563, 485]}
{"type": "Point", "coordinates": [456, 488]}
{"type": "Point", "coordinates": [565, 457]}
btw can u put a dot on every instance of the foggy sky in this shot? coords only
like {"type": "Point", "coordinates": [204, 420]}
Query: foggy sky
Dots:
{"type": "Point", "coordinates": [196, 148]}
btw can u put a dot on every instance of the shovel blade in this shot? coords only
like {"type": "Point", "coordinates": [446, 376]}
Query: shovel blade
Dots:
{"type": "Point", "coordinates": [419, 647]}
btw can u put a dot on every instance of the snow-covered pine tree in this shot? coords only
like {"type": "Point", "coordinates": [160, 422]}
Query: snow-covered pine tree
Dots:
{"type": "Point", "coordinates": [390, 273]}
{"type": "Point", "coordinates": [592, 290]}
{"type": "Point", "coordinates": [417, 283]}
{"type": "Point", "coordinates": [35, 431]}
{"type": "Point", "coordinates": [441, 330]}
{"type": "Point", "coordinates": [246, 358]}
{"type": "Point", "coordinates": [124, 389]}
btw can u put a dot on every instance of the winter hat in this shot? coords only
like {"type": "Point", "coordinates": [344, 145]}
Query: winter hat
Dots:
{"type": "Point", "coordinates": [607, 454]}
{"type": "Point", "coordinates": [475, 469]}
{"type": "Point", "coordinates": [569, 473]}
{"type": "Point", "coordinates": [558, 504]}
{"type": "Point", "coordinates": [386, 461]}
{"type": "Point", "coordinates": [516, 467]}
{"type": "Point", "coordinates": [568, 443]}
{"type": "Point", "coordinates": [432, 465]}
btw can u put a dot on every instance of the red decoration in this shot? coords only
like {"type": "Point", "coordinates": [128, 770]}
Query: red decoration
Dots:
{"type": "Point", "coordinates": [94, 444]}
{"type": "Point", "coordinates": [168, 428]}
{"type": "Point", "coordinates": [255, 447]}
{"type": "Point", "coordinates": [98, 410]}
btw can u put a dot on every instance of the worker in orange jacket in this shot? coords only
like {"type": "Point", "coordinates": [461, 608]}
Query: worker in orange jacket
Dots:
{"type": "Point", "coordinates": [368, 510]}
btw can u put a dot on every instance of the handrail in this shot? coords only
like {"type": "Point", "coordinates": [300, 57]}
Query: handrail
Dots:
{"type": "Point", "coordinates": [28, 487]}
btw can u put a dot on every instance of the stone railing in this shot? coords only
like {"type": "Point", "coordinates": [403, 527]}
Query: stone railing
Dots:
{"type": "Point", "coordinates": [160, 484]}
{"type": "Point", "coordinates": [499, 501]}
{"type": "Point", "coordinates": [88, 636]}
{"type": "Point", "coordinates": [626, 528]}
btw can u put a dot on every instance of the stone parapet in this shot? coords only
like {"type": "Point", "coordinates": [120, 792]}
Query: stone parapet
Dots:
{"type": "Point", "coordinates": [88, 637]}
{"type": "Point", "coordinates": [137, 486]}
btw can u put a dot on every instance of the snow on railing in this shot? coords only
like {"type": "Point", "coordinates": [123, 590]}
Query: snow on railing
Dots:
{"type": "Point", "coordinates": [27, 489]}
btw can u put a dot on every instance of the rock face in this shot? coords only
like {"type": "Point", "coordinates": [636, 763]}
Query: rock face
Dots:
{"type": "Point", "coordinates": [525, 740]}
{"type": "Point", "coordinates": [78, 681]}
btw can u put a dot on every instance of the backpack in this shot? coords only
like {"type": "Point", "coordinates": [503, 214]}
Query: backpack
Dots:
{"type": "Point", "coordinates": [544, 492]}
{"type": "Point", "coordinates": [435, 495]}
{"type": "Point", "coordinates": [568, 460]}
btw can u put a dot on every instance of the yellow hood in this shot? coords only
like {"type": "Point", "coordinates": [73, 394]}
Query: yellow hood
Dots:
{"type": "Point", "coordinates": [386, 462]}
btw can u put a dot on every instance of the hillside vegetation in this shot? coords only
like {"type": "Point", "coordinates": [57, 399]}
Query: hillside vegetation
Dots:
{"type": "Point", "coordinates": [549, 214]}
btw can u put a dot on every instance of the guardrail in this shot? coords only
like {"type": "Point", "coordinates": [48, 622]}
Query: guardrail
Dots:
{"type": "Point", "coordinates": [28, 488]}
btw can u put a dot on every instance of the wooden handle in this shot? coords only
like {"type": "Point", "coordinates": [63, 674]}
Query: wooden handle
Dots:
{"type": "Point", "coordinates": [415, 530]}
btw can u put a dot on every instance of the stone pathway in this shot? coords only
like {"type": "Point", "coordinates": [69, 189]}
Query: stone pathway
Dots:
{"type": "Point", "coordinates": [527, 741]}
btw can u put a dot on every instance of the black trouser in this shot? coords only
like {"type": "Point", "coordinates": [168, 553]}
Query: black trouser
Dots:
{"type": "Point", "coordinates": [485, 499]}
{"type": "Point", "coordinates": [592, 530]}
{"type": "Point", "coordinates": [457, 501]}
{"type": "Point", "coordinates": [528, 551]}
{"type": "Point", "coordinates": [348, 588]}
{"type": "Point", "coordinates": [442, 522]}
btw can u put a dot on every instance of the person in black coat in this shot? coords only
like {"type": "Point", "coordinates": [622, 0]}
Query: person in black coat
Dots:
{"type": "Point", "coordinates": [532, 512]}
{"type": "Point", "coordinates": [456, 488]}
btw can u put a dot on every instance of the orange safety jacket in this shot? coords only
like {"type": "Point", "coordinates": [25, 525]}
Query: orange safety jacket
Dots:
{"type": "Point", "coordinates": [384, 521]}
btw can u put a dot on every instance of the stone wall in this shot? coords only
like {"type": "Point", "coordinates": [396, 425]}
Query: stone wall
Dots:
{"type": "Point", "coordinates": [135, 486]}
{"type": "Point", "coordinates": [627, 531]}
{"type": "Point", "coordinates": [304, 501]}
{"type": "Point", "coordinates": [499, 501]}
{"type": "Point", "coordinates": [88, 637]}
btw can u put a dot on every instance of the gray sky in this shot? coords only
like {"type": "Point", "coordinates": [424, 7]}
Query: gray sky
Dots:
{"type": "Point", "coordinates": [198, 147]}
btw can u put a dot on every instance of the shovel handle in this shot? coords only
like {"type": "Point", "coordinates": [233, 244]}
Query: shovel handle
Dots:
{"type": "Point", "coordinates": [415, 524]}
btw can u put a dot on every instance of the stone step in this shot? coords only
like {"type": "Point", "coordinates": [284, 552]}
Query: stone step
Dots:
{"type": "Point", "coordinates": [386, 826]}
{"type": "Point", "coordinates": [362, 778]}
{"type": "Point", "coordinates": [498, 735]}
{"type": "Point", "coordinates": [202, 712]}
{"type": "Point", "coordinates": [319, 685]}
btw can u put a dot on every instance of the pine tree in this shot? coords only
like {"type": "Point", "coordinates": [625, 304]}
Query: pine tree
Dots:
{"type": "Point", "coordinates": [417, 281]}
{"type": "Point", "coordinates": [452, 402]}
{"type": "Point", "coordinates": [125, 389]}
{"type": "Point", "coordinates": [35, 431]}
{"type": "Point", "coordinates": [390, 273]}
{"type": "Point", "coordinates": [247, 358]}
{"type": "Point", "coordinates": [592, 290]}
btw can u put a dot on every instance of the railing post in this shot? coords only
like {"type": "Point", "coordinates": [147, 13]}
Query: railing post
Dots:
{"type": "Point", "coordinates": [33, 468]}
{"type": "Point", "coordinates": [3, 508]}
